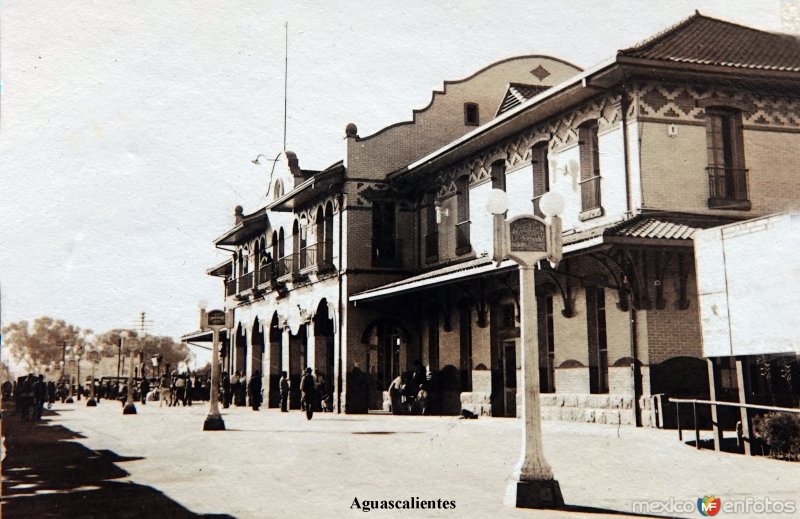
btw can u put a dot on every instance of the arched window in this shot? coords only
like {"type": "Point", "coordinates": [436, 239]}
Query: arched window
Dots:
{"type": "Point", "coordinates": [498, 170]}
{"type": "Point", "coordinates": [328, 233]}
{"type": "Point", "coordinates": [727, 175]}
{"type": "Point", "coordinates": [277, 189]}
{"type": "Point", "coordinates": [463, 243]}
{"type": "Point", "coordinates": [541, 175]}
{"type": "Point", "coordinates": [590, 170]}
{"type": "Point", "coordinates": [319, 224]}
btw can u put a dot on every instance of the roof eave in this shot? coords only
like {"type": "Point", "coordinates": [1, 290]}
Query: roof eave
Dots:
{"type": "Point", "coordinates": [308, 190]}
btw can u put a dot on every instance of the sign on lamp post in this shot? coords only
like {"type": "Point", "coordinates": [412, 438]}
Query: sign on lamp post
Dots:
{"type": "Point", "coordinates": [215, 320]}
{"type": "Point", "coordinates": [527, 239]}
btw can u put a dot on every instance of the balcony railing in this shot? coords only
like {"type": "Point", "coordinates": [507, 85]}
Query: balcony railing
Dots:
{"type": "Point", "coordinates": [432, 245]}
{"type": "Point", "coordinates": [463, 243]}
{"type": "Point", "coordinates": [266, 274]}
{"type": "Point", "coordinates": [245, 282]}
{"type": "Point", "coordinates": [727, 187]}
{"type": "Point", "coordinates": [230, 287]}
{"type": "Point", "coordinates": [386, 251]}
{"type": "Point", "coordinates": [287, 267]}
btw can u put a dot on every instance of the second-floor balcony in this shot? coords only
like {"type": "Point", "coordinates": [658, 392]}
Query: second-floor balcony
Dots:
{"type": "Point", "coordinates": [727, 188]}
{"type": "Point", "coordinates": [265, 275]}
{"type": "Point", "coordinates": [245, 282]}
{"type": "Point", "coordinates": [316, 258]}
{"type": "Point", "coordinates": [287, 268]}
{"type": "Point", "coordinates": [230, 287]}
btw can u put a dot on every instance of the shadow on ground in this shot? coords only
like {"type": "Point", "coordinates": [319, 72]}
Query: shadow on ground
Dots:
{"type": "Point", "coordinates": [48, 474]}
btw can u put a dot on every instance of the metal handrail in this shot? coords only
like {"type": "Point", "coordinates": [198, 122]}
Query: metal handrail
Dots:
{"type": "Point", "coordinates": [735, 404]}
{"type": "Point", "coordinates": [715, 426]}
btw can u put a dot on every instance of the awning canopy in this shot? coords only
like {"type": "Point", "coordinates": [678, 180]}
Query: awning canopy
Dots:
{"type": "Point", "coordinates": [250, 225]}
{"type": "Point", "coordinates": [223, 270]}
{"type": "Point", "coordinates": [203, 336]}
{"type": "Point", "coordinates": [450, 274]}
{"type": "Point", "coordinates": [319, 184]}
{"type": "Point", "coordinates": [656, 229]}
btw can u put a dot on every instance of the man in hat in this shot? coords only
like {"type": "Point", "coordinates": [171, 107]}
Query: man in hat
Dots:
{"type": "Point", "coordinates": [308, 389]}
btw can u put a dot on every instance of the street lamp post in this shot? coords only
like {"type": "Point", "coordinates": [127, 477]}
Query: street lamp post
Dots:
{"type": "Point", "coordinates": [215, 320]}
{"type": "Point", "coordinates": [527, 239]}
{"type": "Point", "coordinates": [78, 351]}
{"type": "Point", "coordinates": [71, 365]}
{"type": "Point", "coordinates": [130, 407]}
{"type": "Point", "coordinates": [93, 357]}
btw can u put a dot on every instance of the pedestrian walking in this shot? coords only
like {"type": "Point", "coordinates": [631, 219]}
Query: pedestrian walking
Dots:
{"type": "Point", "coordinates": [308, 388]}
{"type": "Point", "coordinates": [254, 390]}
{"type": "Point", "coordinates": [284, 390]}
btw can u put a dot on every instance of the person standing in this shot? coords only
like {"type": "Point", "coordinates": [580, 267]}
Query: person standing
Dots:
{"type": "Point", "coordinates": [396, 393]}
{"type": "Point", "coordinates": [164, 394]}
{"type": "Point", "coordinates": [39, 396]}
{"type": "Point", "coordinates": [308, 388]}
{"type": "Point", "coordinates": [189, 389]}
{"type": "Point", "coordinates": [284, 390]}
{"type": "Point", "coordinates": [226, 390]}
{"type": "Point", "coordinates": [254, 390]}
{"type": "Point", "coordinates": [144, 388]}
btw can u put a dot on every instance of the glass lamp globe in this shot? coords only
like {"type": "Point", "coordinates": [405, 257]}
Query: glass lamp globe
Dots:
{"type": "Point", "coordinates": [497, 203]}
{"type": "Point", "coordinates": [551, 204]}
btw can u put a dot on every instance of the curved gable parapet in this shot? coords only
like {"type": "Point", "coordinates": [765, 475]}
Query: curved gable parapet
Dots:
{"type": "Point", "coordinates": [443, 119]}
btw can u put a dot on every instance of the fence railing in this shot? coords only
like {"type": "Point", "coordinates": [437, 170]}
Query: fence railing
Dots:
{"type": "Point", "coordinates": [230, 287]}
{"type": "Point", "coordinates": [742, 429]}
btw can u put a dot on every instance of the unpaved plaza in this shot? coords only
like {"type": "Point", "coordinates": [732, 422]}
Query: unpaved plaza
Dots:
{"type": "Point", "coordinates": [270, 464]}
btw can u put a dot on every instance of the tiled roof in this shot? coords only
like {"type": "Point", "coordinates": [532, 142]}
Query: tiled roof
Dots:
{"type": "Point", "coordinates": [517, 94]}
{"type": "Point", "coordinates": [708, 41]}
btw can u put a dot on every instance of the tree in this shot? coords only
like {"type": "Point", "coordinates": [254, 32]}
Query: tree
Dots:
{"type": "Point", "coordinates": [171, 352]}
{"type": "Point", "coordinates": [43, 342]}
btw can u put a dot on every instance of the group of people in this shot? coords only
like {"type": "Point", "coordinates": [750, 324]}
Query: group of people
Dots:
{"type": "Point", "coordinates": [30, 395]}
{"type": "Point", "coordinates": [411, 393]}
{"type": "Point", "coordinates": [173, 390]}
{"type": "Point", "coordinates": [237, 390]}
{"type": "Point", "coordinates": [314, 394]}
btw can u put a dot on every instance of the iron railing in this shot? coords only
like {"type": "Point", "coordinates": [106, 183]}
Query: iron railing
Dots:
{"type": "Point", "coordinates": [245, 281]}
{"type": "Point", "coordinates": [726, 183]}
{"type": "Point", "coordinates": [287, 266]}
{"type": "Point", "coordinates": [230, 287]}
{"type": "Point", "coordinates": [266, 274]}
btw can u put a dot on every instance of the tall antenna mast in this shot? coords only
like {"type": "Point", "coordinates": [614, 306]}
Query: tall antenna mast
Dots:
{"type": "Point", "coordinates": [285, 80]}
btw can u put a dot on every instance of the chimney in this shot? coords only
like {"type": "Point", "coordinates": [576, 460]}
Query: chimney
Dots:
{"type": "Point", "coordinates": [238, 215]}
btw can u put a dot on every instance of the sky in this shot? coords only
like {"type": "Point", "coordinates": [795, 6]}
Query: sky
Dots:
{"type": "Point", "coordinates": [127, 129]}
